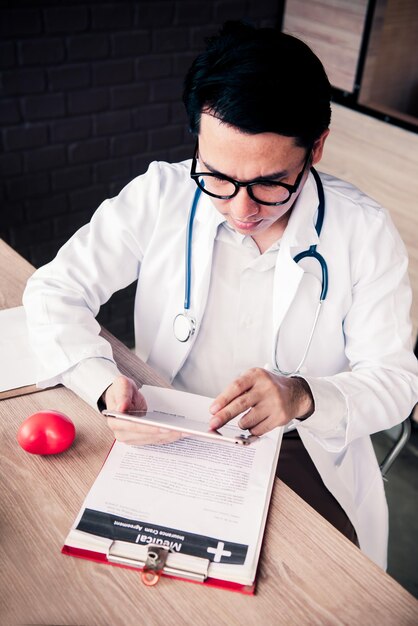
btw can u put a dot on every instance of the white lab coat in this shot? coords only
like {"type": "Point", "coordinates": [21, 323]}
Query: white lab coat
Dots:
{"type": "Point", "coordinates": [361, 367]}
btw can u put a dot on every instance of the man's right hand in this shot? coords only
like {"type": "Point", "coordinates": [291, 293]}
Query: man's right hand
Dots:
{"type": "Point", "coordinates": [123, 395]}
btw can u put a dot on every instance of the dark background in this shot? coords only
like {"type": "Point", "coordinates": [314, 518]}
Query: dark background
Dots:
{"type": "Point", "coordinates": [90, 94]}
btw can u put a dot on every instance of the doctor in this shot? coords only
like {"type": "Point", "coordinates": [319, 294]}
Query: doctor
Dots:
{"type": "Point", "coordinates": [236, 316]}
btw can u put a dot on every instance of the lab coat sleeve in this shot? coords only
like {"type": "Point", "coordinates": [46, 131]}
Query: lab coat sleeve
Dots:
{"type": "Point", "coordinates": [63, 297]}
{"type": "Point", "coordinates": [100, 374]}
{"type": "Point", "coordinates": [382, 385]}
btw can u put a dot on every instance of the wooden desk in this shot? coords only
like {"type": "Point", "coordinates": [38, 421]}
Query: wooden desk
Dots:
{"type": "Point", "coordinates": [309, 573]}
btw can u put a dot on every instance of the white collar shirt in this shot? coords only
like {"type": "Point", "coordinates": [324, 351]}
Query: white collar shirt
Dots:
{"type": "Point", "coordinates": [236, 331]}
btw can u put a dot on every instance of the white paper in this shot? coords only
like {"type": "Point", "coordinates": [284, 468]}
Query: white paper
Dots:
{"type": "Point", "coordinates": [209, 489]}
{"type": "Point", "coordinates": [18, 364]}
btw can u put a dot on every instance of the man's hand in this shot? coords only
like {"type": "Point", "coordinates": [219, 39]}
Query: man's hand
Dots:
{"type": "Point", "coordinates": [273, 401]}
{"type": "Point", "coordinates": [123, 395]}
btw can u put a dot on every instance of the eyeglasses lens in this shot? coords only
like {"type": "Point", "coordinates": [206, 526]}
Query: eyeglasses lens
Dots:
{"type": "Point", "coordinates": [224, 188]}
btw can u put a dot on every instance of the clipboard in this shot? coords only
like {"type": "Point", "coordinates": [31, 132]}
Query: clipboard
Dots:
{"type": "Point", "coordinates": [144, 566]}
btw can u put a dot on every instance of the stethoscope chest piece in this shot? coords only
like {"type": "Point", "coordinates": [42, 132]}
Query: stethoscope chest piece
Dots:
{"type": "Point", "coordinates": [184, 327]}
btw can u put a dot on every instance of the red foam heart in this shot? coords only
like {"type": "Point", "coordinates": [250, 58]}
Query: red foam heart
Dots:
{"type": "Point", "coordinates": [46, 432]}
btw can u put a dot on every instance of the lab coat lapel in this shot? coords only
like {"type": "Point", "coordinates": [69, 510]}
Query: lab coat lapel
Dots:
{"type": "Point", "coordinates": [206, 225]}
{"type": "Point", "coordinates": [175, 352]}
{"type": "Point", "coordinates": [288, 275]}
{"type": "Point", "coordinates": [299, 235]}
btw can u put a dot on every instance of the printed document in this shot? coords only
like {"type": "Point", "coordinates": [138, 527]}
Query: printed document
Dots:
{"type": "Point", "coordinates": [196, 497]}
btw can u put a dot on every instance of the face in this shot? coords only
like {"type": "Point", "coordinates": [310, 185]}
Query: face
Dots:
{"type": "Point", "coordinates": [226, 150]}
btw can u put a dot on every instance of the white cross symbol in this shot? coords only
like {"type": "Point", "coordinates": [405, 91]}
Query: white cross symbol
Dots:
{"type": "Point", "coordinates": [219, 552]}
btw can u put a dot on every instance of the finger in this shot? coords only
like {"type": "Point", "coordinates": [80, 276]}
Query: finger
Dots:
{"type": "Point", "coordinates": [236, 399]}
{"type": "Point", "coordinates": [119, 400]}
{"type": "Point", "coordinates": [123, 394]}
{"type": "Point", "coordinates": [138, 401]}
{"type": "Point", "coordinates": [241, 404]}
{"type": "Point", "coordinates": [251, 418]}
{"type": "Point", "coordinates": [264, 426]}
{"type": "Point", "coordinates": [234, 390]}
{"type": "Point", "coordinates": [124, 402]}
{"type": "Point", "coordinates": [263, 417]}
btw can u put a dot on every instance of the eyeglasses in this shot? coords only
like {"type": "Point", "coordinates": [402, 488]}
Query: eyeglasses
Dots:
{"type": "Point", "coordinates": [267, 192]}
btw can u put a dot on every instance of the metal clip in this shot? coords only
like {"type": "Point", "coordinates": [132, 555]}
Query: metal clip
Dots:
{"type": "Point", "coordinates": [156, 558]}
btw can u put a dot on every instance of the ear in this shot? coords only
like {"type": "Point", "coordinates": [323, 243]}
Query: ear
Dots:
{"type": "Point", "coordinates": [318, 147]}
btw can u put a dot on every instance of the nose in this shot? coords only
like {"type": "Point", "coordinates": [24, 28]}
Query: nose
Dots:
{"type": "Point", "coordinates": [243, 207]}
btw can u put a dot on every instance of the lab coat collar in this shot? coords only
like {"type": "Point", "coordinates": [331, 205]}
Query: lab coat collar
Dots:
{"type": "Point", "coordinates": [207, 214]}
{"type": "Point", "coordinates": [205, 227]}
{"type": "Point", "coordinates": [300, 231]}
{"type": "Point", "coordinates": [299, 235]}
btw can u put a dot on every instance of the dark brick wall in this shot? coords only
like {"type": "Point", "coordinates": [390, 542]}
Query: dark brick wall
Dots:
{"type": "Point", "coordinates": [90, 94]}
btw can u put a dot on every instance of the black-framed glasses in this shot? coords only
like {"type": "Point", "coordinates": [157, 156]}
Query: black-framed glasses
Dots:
{"type": "Point", "coordinates": [267, 192]}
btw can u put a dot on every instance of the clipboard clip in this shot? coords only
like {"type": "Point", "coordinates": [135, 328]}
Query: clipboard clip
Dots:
{"type": "Point", "coordinates": [154, 565]}
{"type": "Point", "coordinates": [155, 560]}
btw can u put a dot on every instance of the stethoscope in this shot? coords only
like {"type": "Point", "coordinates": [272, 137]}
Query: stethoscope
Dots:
{"type": "Point", "coordinates": [184, 324]}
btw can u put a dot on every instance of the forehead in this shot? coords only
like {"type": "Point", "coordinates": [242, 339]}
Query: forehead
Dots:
{"type": "Point", "coordinates": [243, 155]}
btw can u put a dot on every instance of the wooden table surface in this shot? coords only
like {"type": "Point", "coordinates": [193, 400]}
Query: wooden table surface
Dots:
{"type": "Point", "coordinates": [309, 573]}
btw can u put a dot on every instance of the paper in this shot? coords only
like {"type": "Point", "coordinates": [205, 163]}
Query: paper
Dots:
{"type": "Point", "coordinates": [18, 364]}
{"type": "Point", "coordinates": [196, 497]}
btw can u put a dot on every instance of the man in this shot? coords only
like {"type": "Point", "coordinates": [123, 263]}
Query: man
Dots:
{"type": "Point", "coordinates": [265, 248]}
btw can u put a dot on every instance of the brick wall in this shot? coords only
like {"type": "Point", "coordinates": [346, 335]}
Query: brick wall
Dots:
{"type": "Point", "coordinates": [90, 94]}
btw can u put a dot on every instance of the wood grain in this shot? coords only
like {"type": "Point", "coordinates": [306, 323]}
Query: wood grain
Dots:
{"type": "Point", "coordinates": [14, 273]}
{"type": "Point", "coordinates": [382, 160]}
{"type": "Point", "coordinates": [309, 573]}
{"type": "Point", "coordinates": [19, 391]}
{"type": "Point", "coordinates": [390, 74]}
{"type": "Point", "coordinates": [333, 29]}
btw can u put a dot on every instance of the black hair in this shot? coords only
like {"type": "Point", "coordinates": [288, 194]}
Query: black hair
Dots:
{"type": "Point", "coordinates": [259, 80]}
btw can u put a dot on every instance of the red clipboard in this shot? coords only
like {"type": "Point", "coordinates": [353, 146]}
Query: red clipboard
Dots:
{"type": "Point", "coordinates": [99, 557]}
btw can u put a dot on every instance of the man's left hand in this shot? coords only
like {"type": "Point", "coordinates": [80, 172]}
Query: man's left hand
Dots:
{"type": "Point", "coordinates": [272, 401]}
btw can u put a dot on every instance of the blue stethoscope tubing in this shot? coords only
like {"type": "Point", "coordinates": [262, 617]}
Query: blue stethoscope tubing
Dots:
{"type": "Point", "coordinates": [189, 235]}
{"type": "Point", "coordinates": [184, 324]}
{"type": "Point", "coordinates": [313, 253]}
